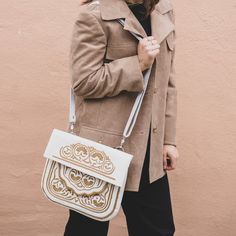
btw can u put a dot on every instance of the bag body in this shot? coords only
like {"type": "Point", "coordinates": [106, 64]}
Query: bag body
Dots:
{"type": "Point", "coordinates": [84, 175]}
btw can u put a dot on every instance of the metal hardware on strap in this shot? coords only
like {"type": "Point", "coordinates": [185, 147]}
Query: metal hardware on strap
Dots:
{"type": "Point", "coordinates": [135, 109]}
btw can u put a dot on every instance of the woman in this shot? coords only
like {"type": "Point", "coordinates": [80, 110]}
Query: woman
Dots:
{"type": "Point", "coordinates": [107, 65]}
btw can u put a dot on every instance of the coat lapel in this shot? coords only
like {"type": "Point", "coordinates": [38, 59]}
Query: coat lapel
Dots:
{"type": "Point", "coordinates": [132, 24]}
{"type": "Point", "coordinates": [115, 9]}
{"type": "Point", "coordinates": [160, 22]}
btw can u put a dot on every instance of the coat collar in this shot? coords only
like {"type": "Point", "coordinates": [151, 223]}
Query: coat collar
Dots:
{"type": "Point", "coordinates": [160, 22]}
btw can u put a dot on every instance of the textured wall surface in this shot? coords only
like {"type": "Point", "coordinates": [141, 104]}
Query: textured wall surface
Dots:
{"type": "Point", "coordinates": [34, 43]}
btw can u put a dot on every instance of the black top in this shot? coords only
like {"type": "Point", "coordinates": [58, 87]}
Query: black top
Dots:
{"type": "Point", "coordinates": [139, 10]}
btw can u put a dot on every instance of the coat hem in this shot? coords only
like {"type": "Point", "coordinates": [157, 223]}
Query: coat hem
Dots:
{"type": "Point", "coordinates": [151, 181]}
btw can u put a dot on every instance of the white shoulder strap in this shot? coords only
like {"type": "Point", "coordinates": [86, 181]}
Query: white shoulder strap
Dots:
{"type": "Point", "coordinates": [135, 109]}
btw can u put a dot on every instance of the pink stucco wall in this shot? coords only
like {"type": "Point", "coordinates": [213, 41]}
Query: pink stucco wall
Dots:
{"type": "Point", "coordinates": [34, 43]}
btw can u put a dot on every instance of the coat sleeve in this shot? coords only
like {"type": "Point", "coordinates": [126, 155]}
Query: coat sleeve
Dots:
{"type": "Point", "coordinates": [91, 77]}
{"type": "Point", "coordinates": [171, 101]}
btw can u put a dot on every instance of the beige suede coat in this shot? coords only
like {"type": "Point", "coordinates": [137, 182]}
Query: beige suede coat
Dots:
{"type": "Point", "coordinates": [106, 78]}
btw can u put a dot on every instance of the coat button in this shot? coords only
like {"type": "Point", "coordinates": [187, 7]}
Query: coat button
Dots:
{"type": "Point", "coordinates": [154, 130]}
{"type": "Point", "coordinates": [155, 90]}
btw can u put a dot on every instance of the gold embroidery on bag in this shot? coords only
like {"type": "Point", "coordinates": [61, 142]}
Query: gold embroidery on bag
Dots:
{"type": "Point", "coordinates": [61, 185]}
{"type": "Point", "coordinates": [87, 156]}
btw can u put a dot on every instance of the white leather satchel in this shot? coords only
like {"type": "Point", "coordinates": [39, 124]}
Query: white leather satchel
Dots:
{"type": "Point", "coordinates": [84, 175]}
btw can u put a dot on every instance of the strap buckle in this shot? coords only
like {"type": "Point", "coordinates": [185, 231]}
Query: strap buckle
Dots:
{"type": "Point", "coordinates": [71, 127]}
{"type": "Point", "coordinates": [120, 147]}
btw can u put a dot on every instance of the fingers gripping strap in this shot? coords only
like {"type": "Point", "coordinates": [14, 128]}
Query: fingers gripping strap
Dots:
{"type": "Point", "coordinates": [137, 104]}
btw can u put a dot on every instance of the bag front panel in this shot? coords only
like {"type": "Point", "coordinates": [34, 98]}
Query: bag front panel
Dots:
{"type": "Point", "coordinates": [80, 192]}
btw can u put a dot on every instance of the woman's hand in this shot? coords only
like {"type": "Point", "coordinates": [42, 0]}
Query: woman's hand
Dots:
{"type": "Point", "coordinates": [148, 48]}
{"type": "Point", "coordinates": [170, 154]}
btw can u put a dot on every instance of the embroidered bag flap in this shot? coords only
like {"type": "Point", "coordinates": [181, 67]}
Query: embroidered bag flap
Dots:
{"type": "Point", "coordinates": [92, 158]}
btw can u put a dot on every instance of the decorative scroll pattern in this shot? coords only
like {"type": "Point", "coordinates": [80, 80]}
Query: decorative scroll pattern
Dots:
{"type": "Point", "coordinates": [78, 188]}
{"type": "Point", "coordinates": [88, 156]}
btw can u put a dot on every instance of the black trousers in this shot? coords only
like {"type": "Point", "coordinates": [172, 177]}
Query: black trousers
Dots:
{"type": "Point", "coordinates": [148, 212]}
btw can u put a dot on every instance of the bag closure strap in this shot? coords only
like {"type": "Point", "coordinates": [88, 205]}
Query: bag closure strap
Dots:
{"type": "Point", "coordinates": [135, 109]}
